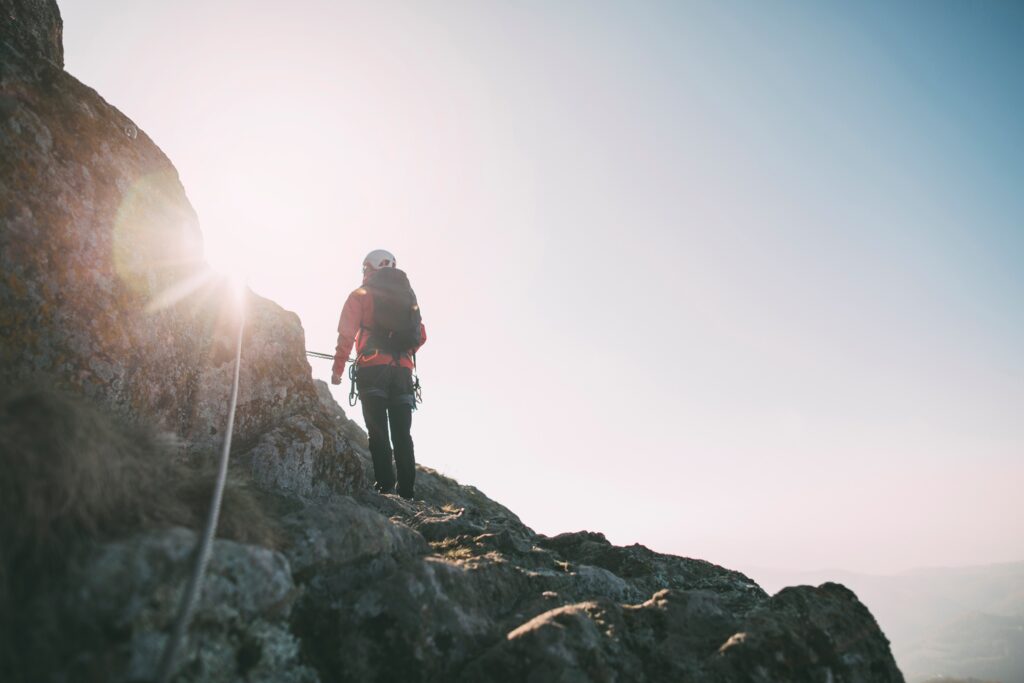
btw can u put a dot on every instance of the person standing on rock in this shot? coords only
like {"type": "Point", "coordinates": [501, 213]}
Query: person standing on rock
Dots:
{"type": "Point", "coordinates": [382, 320]}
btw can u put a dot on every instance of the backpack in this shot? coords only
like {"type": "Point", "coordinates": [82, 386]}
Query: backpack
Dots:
{"type": "Point", "coordinates": [396, 315]}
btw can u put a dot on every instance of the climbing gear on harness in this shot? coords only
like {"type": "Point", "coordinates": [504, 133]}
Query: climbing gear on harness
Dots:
{"type": "Point", "coordinates": [353, 392]}
{"type": "Point", "coordinates": [417, 390]}
{"type": "Point", "coordinates": [353, 374]}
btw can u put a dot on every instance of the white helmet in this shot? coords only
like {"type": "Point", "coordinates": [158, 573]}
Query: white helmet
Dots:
{"type": "Point", "coordinates": [379, 258]}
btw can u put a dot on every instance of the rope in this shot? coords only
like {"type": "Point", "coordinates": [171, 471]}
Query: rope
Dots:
{"type": "Point", "coordinates": [204, 546]}
{"type": "Point", "coordinates": [317, 354]}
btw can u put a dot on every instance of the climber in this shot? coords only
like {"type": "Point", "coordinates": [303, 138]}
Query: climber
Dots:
{"type": "Point", "coordinates": [382, 319]}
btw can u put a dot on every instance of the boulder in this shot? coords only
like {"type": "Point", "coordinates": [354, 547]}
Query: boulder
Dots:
{"type": "Point", "coordinates": [127, 596]}
{"type": "Point", "coordinates": [802, 634]}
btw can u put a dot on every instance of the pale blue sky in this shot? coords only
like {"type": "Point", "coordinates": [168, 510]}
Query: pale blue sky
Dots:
{"type": "Point", "coordinates": [739, 281]}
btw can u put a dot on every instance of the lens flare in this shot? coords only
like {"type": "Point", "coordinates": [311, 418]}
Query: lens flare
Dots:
{"type": "Point", "coordinates": [237, 285]}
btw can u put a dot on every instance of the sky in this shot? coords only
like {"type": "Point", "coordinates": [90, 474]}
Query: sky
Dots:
{"type": "Point", "coordinates": [739, 281]}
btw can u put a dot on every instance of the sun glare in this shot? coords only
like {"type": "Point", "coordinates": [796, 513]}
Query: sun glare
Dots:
{"type": "Point", "coordinates": [238, 286]}
{"type": "Point", "coordinates": [226, 254]}
{"type": "Point", "coordinates": [226, 270]}
{"type": "Point", "coordinates": [229, 260]}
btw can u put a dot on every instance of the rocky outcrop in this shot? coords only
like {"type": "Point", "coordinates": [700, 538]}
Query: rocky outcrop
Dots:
{"type": "Point", "coordinates": [691, 635]}
{"type": "Point", "coordinates": [452, 587]}
{"type": "Point", "coordinates": [104, 288]}
{"type": "Point", "coordinates": [33, 29]}
{"type": "Point", "coordinates": [105, 293]}
{"type": "Point", "coordinates": [242, 619]}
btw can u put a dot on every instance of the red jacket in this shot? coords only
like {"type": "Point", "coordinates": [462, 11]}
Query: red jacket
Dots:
{"type": "Point", "coordinates": [354, 328]}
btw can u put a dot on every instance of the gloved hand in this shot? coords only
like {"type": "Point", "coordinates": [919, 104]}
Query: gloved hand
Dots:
{"type": "Point", "coordinates": [335, 379]}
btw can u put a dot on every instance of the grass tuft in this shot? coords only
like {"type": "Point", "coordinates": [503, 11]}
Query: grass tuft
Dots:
{"type": "Point", "coordinates": [71, 474]}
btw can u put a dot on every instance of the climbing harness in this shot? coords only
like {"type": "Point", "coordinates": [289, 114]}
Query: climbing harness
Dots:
{"type": "Point", "coordinates": [204, 546]}
{"type": "Point", "coordinates": [353, 373]}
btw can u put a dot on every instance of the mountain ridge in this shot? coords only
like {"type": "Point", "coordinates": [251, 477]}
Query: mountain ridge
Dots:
{"type": "Point", "coordinates": [119, 329]}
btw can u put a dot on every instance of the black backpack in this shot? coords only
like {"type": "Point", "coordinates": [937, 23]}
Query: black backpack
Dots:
{"type": "Point", "coordinates": [396, 315]}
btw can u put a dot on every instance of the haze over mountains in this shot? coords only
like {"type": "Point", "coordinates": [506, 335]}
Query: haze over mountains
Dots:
{"type": "Point", "coordinates": [966, 622]}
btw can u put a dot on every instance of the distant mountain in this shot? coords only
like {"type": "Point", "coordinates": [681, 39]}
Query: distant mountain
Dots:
{"type": "Point", "coordinates": [964, 622]}
{"type": "Point", "coordinates": [976, 644]}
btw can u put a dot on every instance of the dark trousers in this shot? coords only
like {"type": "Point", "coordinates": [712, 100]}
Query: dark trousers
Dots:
{"type": "Point", "coordinates": [378, 414]}
{"type": "Point", "coordinates": [385, 393]}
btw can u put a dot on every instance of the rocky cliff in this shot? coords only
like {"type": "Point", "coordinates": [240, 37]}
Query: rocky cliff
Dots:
{"type": "Point", "coordinates": [104, 294]}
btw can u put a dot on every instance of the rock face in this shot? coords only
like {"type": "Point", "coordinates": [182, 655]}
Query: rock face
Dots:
{"type": "Point", "coordinates": [242, 619]}
{"type": "Point", "coordinates": [104, 291]}
{"type": "Point", "coordinates": [104, 287]}
{"type": "Point", "coordinates": [33, 29]}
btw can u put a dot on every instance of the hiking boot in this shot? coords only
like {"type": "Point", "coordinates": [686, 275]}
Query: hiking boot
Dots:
{"type": "Point", "coordinates": [384, 490]}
